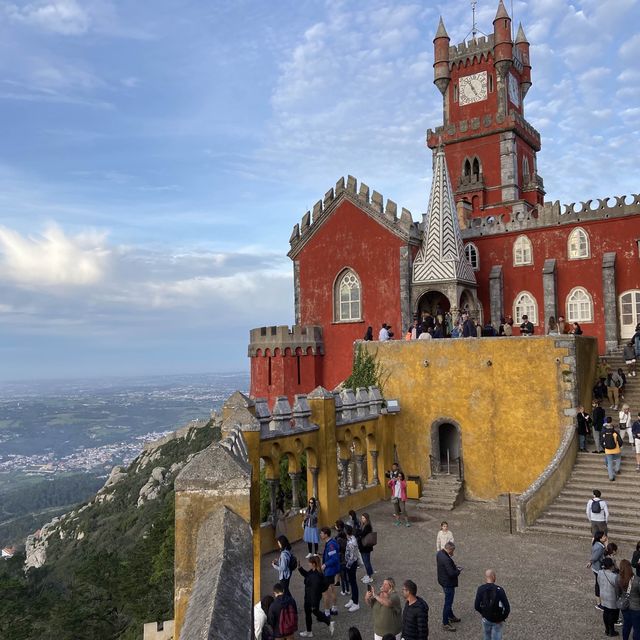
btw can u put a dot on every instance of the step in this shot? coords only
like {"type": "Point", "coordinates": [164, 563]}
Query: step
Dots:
{"type": "Point", "coordinates": [586, 534]}
{"type": "Point", "coordinates": [561, 523]}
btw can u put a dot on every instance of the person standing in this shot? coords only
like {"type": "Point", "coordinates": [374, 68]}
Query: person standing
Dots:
{"type": "Point", "coordinates": [597, 513]}
{"type": "Point", "coordinates": [628, 583]}
{"type": "Point", "coordinates": [629, 356]}
{"type": "Point", "coordinates": [387, 610]}
{"type": "Point", "coordinates": [595, 564]}
{"type": "Point", "coordinates": [625, 421]}
{"type": "Point", "coordinates": [609, 591]}
{"type": "Point", "coordinates": [492, 604]}
{"type": "Point", "coordinates": [261, 629]}
{"type": "Point", "coordinates": [310, 524]}
{"type": "Point", "coordinates": [597, 421]}
{"type": "Point", "coordinates": [444, 535]}
{"type": "Point", "coordinates": [351, 563]}
{"type": "Point", "coordinates": [398, 488]}
{"type": "Point", "coordinates": [584, 424]}
{"type": "Point", "coordinates": [635, 431]}
{"type": "Point", "coordinates": [611, 441]}
{"type": "Point", "coordinates": [526, 327]}
{"type": "Point", "coordinates": [313, 588]}
{"type": "Point", "coordinates": [283, 564]}
{"type": "Point", "coordinates": [365, 548]}
{"type": "Point", "coordinates": [283, 614]}
{"type": "Point", "coordinates": [613, 382]}
{"type": "Point", "coordinates": [330, 567]}
{"type": "Point", "coordinates": [415, 615]}
{"type": "Point", "coordinates": [448, 573]}
{"type": "Point", "coordinates": [383, 334]}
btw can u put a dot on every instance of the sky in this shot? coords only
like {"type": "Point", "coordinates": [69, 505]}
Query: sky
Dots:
{"type": "Point", "coordinates": [154, 156]}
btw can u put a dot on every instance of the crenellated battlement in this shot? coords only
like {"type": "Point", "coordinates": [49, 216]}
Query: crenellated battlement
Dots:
{"type": "Point", "coordinates": [372, 202]}
{"type": "Point", "coordinates": [553, 214]}
{"type": "Point", "coordinates": [466, 51]}
{"type": "Point", "coordinates": [282, 337]}
{"type": "Point", "coordinates": [473, 127]}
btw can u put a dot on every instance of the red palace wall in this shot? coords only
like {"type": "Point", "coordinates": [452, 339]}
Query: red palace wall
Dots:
{"type": "Point", "coordinates": [349, 238]}
{"type": "Point", "coordinates": [613, 235]}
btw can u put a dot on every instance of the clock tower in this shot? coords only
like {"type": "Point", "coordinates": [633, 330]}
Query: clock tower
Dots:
{"type": "Point", "coordinates": [489, 145]}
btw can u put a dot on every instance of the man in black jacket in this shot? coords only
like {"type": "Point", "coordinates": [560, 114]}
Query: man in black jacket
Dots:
{"type": "Point", "coordinates": [448, 573]}
{"type": "Point", "coordinates": [415, 615]}
{"type": "Point", "coordinates": [492, 605]}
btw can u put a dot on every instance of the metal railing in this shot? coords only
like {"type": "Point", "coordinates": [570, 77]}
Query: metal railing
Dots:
{"type": "Point", "coordinates": [439, 466]}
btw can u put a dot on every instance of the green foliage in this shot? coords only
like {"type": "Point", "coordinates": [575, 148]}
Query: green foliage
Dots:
{"type": "Point", "coordinates": [119, 576]}
{"type": "Point", "coordinates": [285, 493]}
{"type": "Point", "coordinates": [367, 371]}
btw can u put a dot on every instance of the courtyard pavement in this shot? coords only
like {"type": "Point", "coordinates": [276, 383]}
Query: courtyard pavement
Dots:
{"type": "Point", "coordinates": [545, 577]}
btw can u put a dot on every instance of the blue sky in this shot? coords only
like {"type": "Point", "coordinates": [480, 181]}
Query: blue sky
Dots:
{"type": "Point", "coordinates": [154, 156]}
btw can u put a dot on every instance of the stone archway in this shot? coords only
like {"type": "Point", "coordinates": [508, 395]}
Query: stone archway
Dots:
{"type": "Point", "coordinates": [431, 302]}
{"type": "Point", "coordinates": [446, 447]}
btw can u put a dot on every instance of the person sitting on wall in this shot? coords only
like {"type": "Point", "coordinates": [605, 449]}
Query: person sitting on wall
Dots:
{"type": "Point", "coordinates": [526, 327]}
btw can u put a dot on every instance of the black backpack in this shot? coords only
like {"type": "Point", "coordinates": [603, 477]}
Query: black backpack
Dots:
{"type": "Point", "coordinates": [490, 606]}
{"type": "Point", "coordinates": [595, 506]}
{"type": "Point", "coordinates": [293, 562]}
{"type": "Point", "coordinates": [609, 440]}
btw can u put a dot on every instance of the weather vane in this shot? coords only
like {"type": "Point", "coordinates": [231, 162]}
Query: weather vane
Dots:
{"type": "Point", "coordinates": [474, 27]}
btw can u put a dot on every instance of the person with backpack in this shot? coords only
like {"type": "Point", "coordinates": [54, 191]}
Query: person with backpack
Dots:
{"type": "Point", "coordinates": [613, 382]}
{"type": "Point", "coordinates": [492, 604]}
{"type": "Point", "coordinates": [351, 562]}
{"type": "Point", "coordinates": [597, 513]}
{"type": "Point", "coordinates": [313, 588]}
{"type": "Point", "coordinates": [286, 563]}
{"type": "Point", "coordinates": [283, 614]}
{"type": "Point", "coordinates": [366, 541]}
{"type": "Point", "coordinates": [612, 443]}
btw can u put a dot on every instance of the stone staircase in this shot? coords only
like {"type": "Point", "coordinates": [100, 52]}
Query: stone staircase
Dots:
{"type": "Point", "coordinates": [442, 492]}
{"type": "Point", "coordinates": [566, 515]}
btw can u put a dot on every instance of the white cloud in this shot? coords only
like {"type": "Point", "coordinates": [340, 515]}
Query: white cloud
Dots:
{"type": "Point", "coordinates": [52, 259]}
{"type": "Point", "coordinates": [66, 17]}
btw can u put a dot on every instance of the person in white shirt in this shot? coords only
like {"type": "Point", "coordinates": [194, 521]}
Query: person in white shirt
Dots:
{"type": "Point", "coordinates": [625, 421]}
{"type": "Point", "coordinates": [597, 513]}
{"type": "Point", "coordinates": [444, 536]}
{"type": "Point", "coordinates": [383, 334]}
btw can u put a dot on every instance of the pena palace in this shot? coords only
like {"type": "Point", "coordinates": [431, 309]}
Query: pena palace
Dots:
{"type": "Point", "coordinates": [489, 243]}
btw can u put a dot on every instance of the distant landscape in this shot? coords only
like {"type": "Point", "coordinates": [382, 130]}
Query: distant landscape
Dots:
{"type": "Point", "coordinates": [60, 439]}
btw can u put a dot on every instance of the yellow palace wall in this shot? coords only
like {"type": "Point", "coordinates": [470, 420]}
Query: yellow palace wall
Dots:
{"type": "Point", "coordinates": [511, 398]}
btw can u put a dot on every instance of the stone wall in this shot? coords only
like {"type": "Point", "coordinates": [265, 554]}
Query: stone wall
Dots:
{"type": "Point", "coordinates": [512, 399]}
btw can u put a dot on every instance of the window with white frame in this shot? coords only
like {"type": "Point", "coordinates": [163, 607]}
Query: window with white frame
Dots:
{"type": "Point", "coordinates": [522, 251]}
{"type": "Point", "coordinates": [525, 305]}
{"type": "Point", "coordinates": [471, 254]}
{"type": "Point", "coordinates": [578, 244]}
{"type": "Point", "coordinates": [579, 306]}
{"type": "Point", "coordinates": [347, 296]}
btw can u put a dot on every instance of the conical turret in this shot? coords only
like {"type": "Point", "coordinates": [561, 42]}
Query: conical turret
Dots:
{"type": "Point", "coordinates": [522, 45]}
{"type": "Point", "coordinates": [441, 71]}
{"type": "Point", "coordinates": [503, 47]}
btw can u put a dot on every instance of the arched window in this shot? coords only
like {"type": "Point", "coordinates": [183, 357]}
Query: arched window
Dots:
{"type": "Point", "coordinates": [579, 306]}
{"type": "Point", "coordinates": [471, 254]}
{"type": "Point", "coordinates": [522, 251]}
{"type": "Point", "coordinates": [347, 297]}
{"type": "Point", "coordinates": [578, 244]}
{"type": "Point", "coordinates": [525, 305]}
{"type": "Point", "coordinates": [476, 169]}
{"type": "Point", "coordinates": [467, 168]}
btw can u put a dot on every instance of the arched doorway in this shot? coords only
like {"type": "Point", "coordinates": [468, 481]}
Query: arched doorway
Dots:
{"type": "Point", "coordinates": [432, 303]}
{"type": "Point", "coordinates": [629, 313]}
{"type": "Point", "coordinates": [446, 447]}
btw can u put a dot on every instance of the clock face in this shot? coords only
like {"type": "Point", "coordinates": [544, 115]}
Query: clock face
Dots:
{"type": "Point", "coordinates": [514, 90]}
{"type": "Point", "coordinates": [472, 88]}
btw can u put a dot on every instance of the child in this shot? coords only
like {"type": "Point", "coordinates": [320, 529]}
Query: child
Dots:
{"type": "Point", "coordinates": [444, 536]}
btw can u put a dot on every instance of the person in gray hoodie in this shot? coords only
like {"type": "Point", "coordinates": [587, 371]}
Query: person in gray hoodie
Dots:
{"type": "Point", "coordinates": [609, 592]}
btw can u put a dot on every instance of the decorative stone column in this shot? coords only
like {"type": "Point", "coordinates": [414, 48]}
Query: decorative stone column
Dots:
{"type": "Point", "coordinates": [274, 485]}
{"type": "Point", "coordinates": [344, 479]}
{"type": "Point", "coordinates": [295, 485]}
{"type": "Point", "coordinates": [314, 480]}
{"type": "Point", "coordinates": [609, 302]}
{"type": "Point", "coordinates": [374, 470]}
{"type": "Point", "coordinates": [549, 291]}
{"type": "Point", "coordinates": [496, 295]}
{"type": "Point", "coordinates": [360, 479]}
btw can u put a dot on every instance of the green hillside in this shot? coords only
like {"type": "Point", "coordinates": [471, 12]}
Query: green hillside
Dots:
{"type": "Point", "coordinates": [109, 562]}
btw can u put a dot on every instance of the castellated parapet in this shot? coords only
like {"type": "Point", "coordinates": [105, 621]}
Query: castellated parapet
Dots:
{"type": "Point", "coordinates": [372, 202]}
{"type": "Point", "coordinates": [282, 337]}
{"type": "Point", "coordinates": [477, 48]}
{"type": "Point", "coordinates": [553, 214]}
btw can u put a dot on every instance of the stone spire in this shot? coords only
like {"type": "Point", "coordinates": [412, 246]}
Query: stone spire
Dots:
{"type": "Point", "coordinates": [521, 37]}
{"type": "Point", "coordinates": [502, 12]}
{"type": "Point", "coordinates": [441, 257]}
{"type": "Point", "coordinates": [441, 32]}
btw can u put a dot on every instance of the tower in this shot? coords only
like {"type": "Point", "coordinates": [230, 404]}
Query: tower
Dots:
{"type": "Point", "coordinates": [489, 146]}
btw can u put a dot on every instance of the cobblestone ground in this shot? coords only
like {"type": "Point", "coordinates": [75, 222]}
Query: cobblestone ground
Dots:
{"type": "Point", "coordinates": [545, 577]}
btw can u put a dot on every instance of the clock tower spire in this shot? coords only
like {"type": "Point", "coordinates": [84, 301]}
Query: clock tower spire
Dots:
{"type": "Point", "coordinates": [489, 146]}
